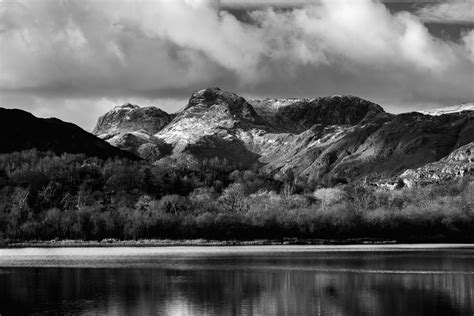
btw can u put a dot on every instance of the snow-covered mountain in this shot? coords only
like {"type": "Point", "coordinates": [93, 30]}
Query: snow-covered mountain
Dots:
{"type": "Point", "coordinates": [325, 140]}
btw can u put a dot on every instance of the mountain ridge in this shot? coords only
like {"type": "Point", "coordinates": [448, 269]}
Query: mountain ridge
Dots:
{"type": "Point", "coordinates": [323, 140]}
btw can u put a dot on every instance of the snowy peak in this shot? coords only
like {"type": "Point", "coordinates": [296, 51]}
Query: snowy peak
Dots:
{"type": "Point", "coordinates": [131, 118]}
{"type": "Point", "coordinates": [212, 96]}
{"type": "Point", "coordinates": [449, 109]}
{"type": "Point", "coordinates": [222, 102]}
{"type": "Point", "coordinates": [125, 107]}
{"type": "Point", "coordinates": [210, 113]}
{"type": "Point", "coordinates": [275, 104]}
{"type": "Point", "coordinates": [297, 115]}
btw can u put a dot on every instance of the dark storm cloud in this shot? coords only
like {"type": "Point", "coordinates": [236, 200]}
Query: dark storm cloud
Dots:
{"type": "Point", "coordinates": [55, 54]}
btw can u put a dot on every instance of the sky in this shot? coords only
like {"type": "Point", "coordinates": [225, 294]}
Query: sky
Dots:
{"type": "Point", "coordinates": [76, 59]}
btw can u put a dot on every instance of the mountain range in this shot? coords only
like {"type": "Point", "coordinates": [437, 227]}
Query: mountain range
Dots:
{"type": "Point", "coordinates": [327, 140]}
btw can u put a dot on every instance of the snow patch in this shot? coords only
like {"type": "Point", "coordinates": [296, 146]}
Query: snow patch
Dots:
{"type": "Point", "coordinates": [449, 109]}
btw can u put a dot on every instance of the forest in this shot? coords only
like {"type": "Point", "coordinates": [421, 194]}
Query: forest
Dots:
{"type": "Point", "coordinates": [44, 196]}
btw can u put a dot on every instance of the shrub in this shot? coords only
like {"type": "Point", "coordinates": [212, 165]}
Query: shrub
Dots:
{"type": "Point", "coordinates": [44, 196]}
{"type": "Point", "coordinates": [328, 196]}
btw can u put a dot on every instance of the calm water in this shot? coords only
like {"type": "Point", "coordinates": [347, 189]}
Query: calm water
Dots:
{"type": "Point", "coordinates": [238, 281]}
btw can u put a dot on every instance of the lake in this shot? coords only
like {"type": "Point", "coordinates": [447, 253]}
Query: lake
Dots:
{"type": "Point", "coordinates": [255, 280]}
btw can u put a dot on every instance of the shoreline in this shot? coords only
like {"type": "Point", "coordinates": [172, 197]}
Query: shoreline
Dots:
{"type": "Point", "coordinates": [215, 243]}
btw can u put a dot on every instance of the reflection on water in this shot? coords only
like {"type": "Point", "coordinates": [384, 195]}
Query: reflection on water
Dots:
{"type": "Point", "coordinates": [239, 283]}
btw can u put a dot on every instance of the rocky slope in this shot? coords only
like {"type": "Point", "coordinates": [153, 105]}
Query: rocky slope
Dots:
{"type": "Point", "coordinates": [457, 164]}
{"type": "Point", "coordinates": [322, 140]}
{"type": "Point", "coordinates": [131, 128]}
{"type": "Point", "coordinates": [211, 126]}
{"type": "Point", "coordinates": [20, 130]}
{"type": "Point", "coordinates": [131, 118]}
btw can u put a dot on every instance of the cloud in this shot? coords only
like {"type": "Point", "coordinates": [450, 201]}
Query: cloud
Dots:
{"type": "Point", "coordinates": [468, 40]}
{"type": "Point", "coordinates": [452, 11]}
{"type": "Point", "coordinates": [164, 49]}
{"type": "Point", "coordinates": [245, 4]}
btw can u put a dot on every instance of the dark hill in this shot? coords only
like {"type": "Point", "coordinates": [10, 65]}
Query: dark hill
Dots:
{"type": "Point", "coordinates": [20, 130]}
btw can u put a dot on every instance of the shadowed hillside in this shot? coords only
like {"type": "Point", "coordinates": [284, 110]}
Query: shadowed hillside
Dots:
{"type": "Point", "coordinates": [20, 130]}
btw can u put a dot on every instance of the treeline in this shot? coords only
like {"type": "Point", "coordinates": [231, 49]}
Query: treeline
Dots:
{"type": "Point", "coordinates": [44, 196]}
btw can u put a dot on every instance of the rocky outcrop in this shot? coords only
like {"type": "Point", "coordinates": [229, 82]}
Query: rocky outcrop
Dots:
{"type": "Point", "coordinates": [131, 128]}
{"type": "Point", "coordinates": [456, 165]}
{"type": "Point", "coordinates": [131, 118]}
{"type": "Point", "coordinates": [141, 144]}
{"type": "Point", "coordinates": [210, 126]}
